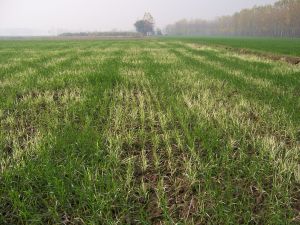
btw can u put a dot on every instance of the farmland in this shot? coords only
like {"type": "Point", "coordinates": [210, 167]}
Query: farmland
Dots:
{"type": "Point", "coordinates": [147, 132]}
{"type": "Point", "coordinates": [277, 46]}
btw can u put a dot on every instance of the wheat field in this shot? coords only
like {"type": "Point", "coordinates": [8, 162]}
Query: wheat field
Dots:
{"type": "Point", "coordinates": [146, 132]}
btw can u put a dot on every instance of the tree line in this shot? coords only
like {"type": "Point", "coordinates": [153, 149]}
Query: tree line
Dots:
{"type": "Point", "coordinates": [279, 20]}
{"type": "Point", "coordinates": [102, 34]}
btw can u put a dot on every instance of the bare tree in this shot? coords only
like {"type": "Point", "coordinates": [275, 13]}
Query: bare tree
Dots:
{"type": "Point", "coordinates": [146, 25]}
{"type": "Point", "coordinates": [279, 20]}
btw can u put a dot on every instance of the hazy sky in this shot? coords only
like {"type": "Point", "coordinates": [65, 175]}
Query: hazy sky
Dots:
{"type": "Point", "coordinates": [87, 15]}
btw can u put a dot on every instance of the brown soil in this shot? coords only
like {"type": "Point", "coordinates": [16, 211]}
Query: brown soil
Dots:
{"type": "Point", "coordinates": [284, 58]}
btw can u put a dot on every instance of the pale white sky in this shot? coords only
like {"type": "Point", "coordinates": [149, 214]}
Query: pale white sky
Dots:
{"type": "Point", "coordinates": [42, 16]}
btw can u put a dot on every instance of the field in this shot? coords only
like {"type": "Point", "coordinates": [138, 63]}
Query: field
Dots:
{"type": "Point", "coordinates": [147, 132]}
{"type": "Point", "coordinates": [284, 46]}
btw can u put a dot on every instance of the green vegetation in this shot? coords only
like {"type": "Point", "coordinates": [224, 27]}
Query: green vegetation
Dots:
{"type": "Point", "coordinates": [146, 131]}
{"type": "Point", "coordinates": [279, 46]}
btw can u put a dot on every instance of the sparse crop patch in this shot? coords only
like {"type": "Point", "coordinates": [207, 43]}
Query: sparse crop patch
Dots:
{"type": "Point", "coordinates": [146, 132]}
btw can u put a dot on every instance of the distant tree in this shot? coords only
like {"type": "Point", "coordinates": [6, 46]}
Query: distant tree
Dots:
{"type": "Point", "coordinates": [146, 25]}
{"type": "Point", "coordinates": [159, 32]}
{"type": "Point", "coordinates": [281, 19]}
